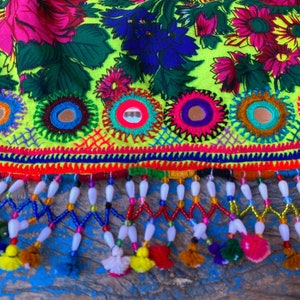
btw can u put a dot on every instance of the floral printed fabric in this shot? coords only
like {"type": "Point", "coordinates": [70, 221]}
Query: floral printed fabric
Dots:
{"type": "Point", "coordinates": [157, 83]}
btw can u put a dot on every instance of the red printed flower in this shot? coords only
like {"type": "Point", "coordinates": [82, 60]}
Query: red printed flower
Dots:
{"type": "Point", "coordinates": [42, 21]}
{"type": "Point", "coordinates": [113, 85]}
{"type": "Point", "coordinates": [287, 30]}
{"type": "Point", "coordinates": [205, 26]}
{"type": "Point", "coordinates": [254, 24]}
{"type": "Point", "coordinates": [226, 73]}
{"type": "Point", "coordinates": [277, 58]}
{"type": "Point", "coordinates": [281, 2]}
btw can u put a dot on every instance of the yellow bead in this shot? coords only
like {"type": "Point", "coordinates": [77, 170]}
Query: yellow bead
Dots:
{"type": "Point", "coordinates": [49, 201]}
{"type": "Point", "coordinates": [213, 200]}
{"type": "Point", "coordinates": [196, 199]}
{"type": "Point", "coordinates": [34, 197]}
{"type": "Point", "coordinates": [32, 220]}
{"type": "Point", "coordinates": [196, 177]}
{"type": "Point", "coordinates": [146, 244]}
{"type": "Point", "coordinates": [70, 206]}
{"type": "Point", "coordinates": [93, 208]}
{"type": "Point", "coordinates": [261, 219]}
{"type": "Point", "coordinates": [283, 220]}
{"type": "Point", "coordinates": [37, 244]}
{"type": "Point", "coordinates": [180, 181]}
{"type": "Point", "coordinates": [165, 180]}
{"type": "Point", "coordinates": [180, 204]}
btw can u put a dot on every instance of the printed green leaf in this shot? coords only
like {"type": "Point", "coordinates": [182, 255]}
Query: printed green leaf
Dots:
{"type": "Point", "coordinates": [188, 15]}
{"type": "Point", "coordinates": [251, 74]}
{"type": "Point", "coordinates": [131, 67]}
{"type": "Point", "coordinates": [170, 83]}
{"type": "Point", "coordinates": [227, 4]}
{"type": "Point", "coordinates": [90, 10]}
{"type": "Point", "coordinates": [34, 84]}
{"type": "Point", "coordinates": [6, 82]}
{"type": "Point", "coordinates": [89, 46]}
{"type": "Point", "coordinates": [66, 75]}
{"type": "Point", "coordinates": [290, 79]}
{"type": "Point", "coordinates": [190, 65]}
{"type": "Point", "coordinates": [33, 55]}
{"type": "Point", "coordinates": [222, 24]}
{"type": "Point", "coordinates": [117, 3]}
{"type": "Point", "coordinates": [210, 41]}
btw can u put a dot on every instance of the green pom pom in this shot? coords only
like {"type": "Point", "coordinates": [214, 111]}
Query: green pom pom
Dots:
{"type": "Point", "coordinates": [232, 251]}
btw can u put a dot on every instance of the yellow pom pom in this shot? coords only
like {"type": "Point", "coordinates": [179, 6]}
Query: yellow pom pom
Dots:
{"type": "Point", "coordinates": [9, 260]}
{"type": "Point", "coordinates": [142, 252]}
{"type": "Point", "coordinates": [11, 250]}
{"type": "Point", "coordinates": [141, 263]}
{"type": "Point", "coordinates": [191, 257]}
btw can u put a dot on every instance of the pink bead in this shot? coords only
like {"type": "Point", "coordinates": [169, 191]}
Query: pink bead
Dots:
{"type": "Point", "coordinates": [134, 246]}
{"type": "Point", "coordinates": [142, 200]}
{"type": "Point", "coordinates": [14, 215]}
{"type": "Point", "coordinates": [132, 201]}
{"type": "Point", "coordinates": [243, 180]}
{"type": "Point", "coordinates": [79, 229]}
{"type": "Point", "coordinates": [51, 225]}
{"type": "Point", "coordinates": [205, 220]}
{"type": "Point", "coordinates": [267, 202]}
{"type": "Point", "coordinates": [57, 178]}
{"type": "Point", "coordinates": [296, 219]}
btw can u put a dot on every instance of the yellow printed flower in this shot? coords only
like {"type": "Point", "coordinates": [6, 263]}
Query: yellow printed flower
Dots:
{"type": "Point", "coordinates": [287, 30]}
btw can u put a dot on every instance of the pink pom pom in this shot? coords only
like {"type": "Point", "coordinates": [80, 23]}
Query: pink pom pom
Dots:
{"type": "Point", "coordinates": [255, 247]}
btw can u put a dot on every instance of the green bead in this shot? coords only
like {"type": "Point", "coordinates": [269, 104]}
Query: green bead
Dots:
{"type": "Point", "coordinates": [8, 195]}
{"type": "Point", "coordinates": [93, 208]}
{"type": "Point", "coordinates": [128, 222]}
{"type": "Point", "coordinates": [209, 241]}
{"type": "Point", "coordinates": [170, 244]}
{"type": "Point", "coordinates": [119, 242]}
{"type": "Point", "coordinates": [170, 223]}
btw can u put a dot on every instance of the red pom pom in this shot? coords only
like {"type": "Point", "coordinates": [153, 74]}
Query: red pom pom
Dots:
{"type": "Point", "coordinates": [255, 247]}
{"type": "Point", "coordinates": [160, 255]}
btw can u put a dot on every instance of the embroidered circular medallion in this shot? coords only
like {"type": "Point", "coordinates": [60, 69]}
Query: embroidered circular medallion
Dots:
{"type": "Point", "coordinates": [12, 110]}
{"type": "Point", "coordinates": [261, 117]}
{"type": "Point", "coordinates": [65, 118]}
{"type": "Point", "coordinates": [196, 116]}
{"type": "Point", "coordinates": [136, 116]}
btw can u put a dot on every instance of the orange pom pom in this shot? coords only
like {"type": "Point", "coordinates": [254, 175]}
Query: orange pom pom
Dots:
{"type": "Point", "coordinates": [292, 261]}
{"type": "Point", "coordinates": [31, 256]}
{"type": "Point", "coordinates": [191, 257]}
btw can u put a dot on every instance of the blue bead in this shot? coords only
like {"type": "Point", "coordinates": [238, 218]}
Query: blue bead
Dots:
{"type": "Point", "coordinates": [162, 203]}
{"type": "Point", "coordinates": [110, 181]}
{"type": "Point", "coordinates": [287, 200]}
{"type": "Point", "coordinates": [192, 222]}
{"type": "Point", "coordinates": [151, 220]}
{"type": "Point", "coordinates": [250, 202]}
{"type": "Point", "coordinates": [230, 198]}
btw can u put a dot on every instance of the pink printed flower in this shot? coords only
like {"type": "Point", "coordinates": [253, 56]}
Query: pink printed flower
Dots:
{"type": "Point", "coordinates": [226, 73]}
{"type": "Point", "coordinates": [42, 21]}
{"type": "Point", "coordinates": [254, 24]}
{"type": "Point", "coordinates": [277, 58]}
{"type": "Point", "coordinates": [205, 26]}
{"type": "Point", "coordinates": [113, 85]}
